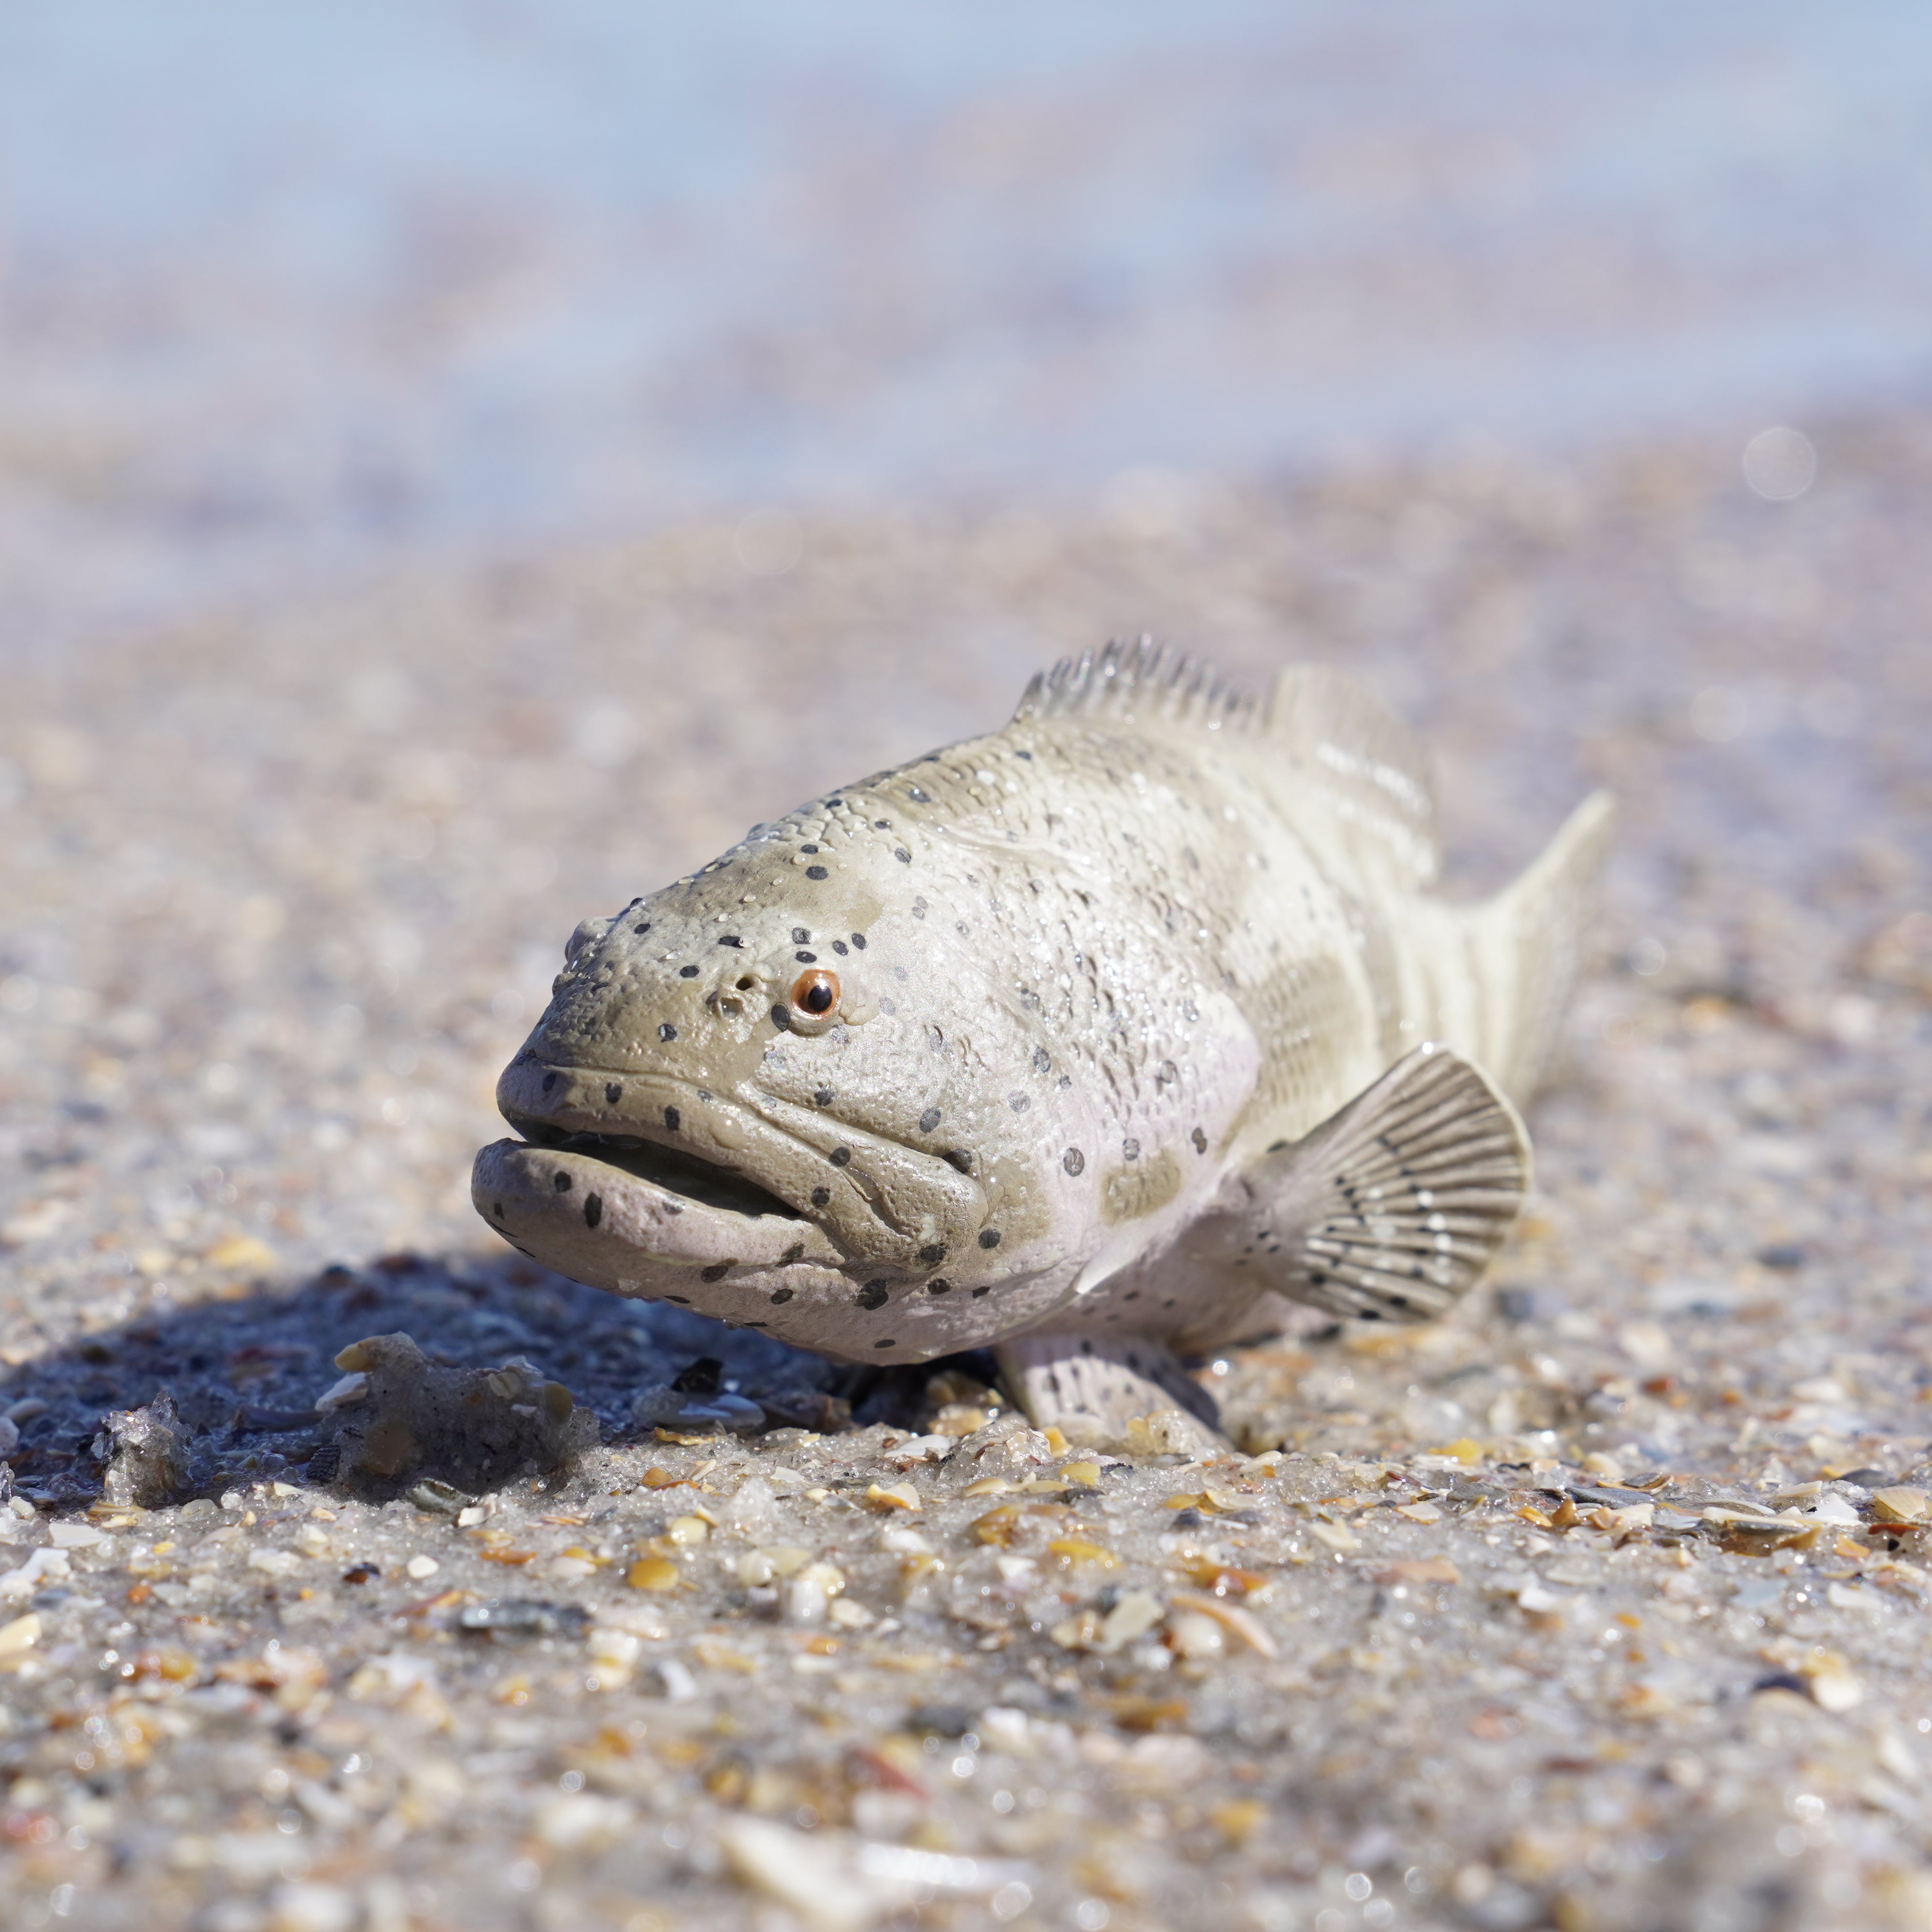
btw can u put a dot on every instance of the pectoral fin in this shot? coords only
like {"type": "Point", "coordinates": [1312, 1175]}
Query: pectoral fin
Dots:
{"type": "Point", "coordinates": [1126, 1393]}
{"type": "Point", "coordinates": [1393, 1208]}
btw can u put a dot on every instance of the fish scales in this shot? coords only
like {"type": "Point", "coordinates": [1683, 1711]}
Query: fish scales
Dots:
{"type": "Point", "coordinates": [1088, 1039]}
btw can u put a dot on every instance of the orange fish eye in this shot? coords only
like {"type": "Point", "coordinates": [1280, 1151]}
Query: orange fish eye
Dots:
{"type": "Point", "coordinates": [816, 992]}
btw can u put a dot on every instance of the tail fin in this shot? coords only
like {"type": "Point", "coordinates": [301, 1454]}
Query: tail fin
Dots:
{"type": "Point", "coordinates": [1528, 944]}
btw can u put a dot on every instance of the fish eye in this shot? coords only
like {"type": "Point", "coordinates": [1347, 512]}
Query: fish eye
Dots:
{"type": "Point", "coordinates": [816, 993]}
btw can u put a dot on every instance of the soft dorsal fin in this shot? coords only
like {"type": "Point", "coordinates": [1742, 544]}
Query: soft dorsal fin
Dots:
{"type": "Point", "coordinates": [1392, 1209]}
{"type": "Point", "coordinates": [1368, 762]}
{"type": "Point", "coordinates": [1142, 680]}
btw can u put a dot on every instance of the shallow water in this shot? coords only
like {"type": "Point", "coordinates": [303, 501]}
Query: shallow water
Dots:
{"type": "Point", "coordinates": [282, 295]}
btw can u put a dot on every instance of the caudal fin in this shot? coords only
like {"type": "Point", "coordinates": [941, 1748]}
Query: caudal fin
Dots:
{"type": "Point", "coordinates": [1528, 941]}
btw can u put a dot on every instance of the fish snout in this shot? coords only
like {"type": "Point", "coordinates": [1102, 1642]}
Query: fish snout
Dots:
{"type": "Point", "coordinates": [881, 1205]}
{"type": "Point", "coordinates": [587, 933]}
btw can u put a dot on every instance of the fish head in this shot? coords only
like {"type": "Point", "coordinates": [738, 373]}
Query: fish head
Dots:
{"type": "Point", "coordinates": [789, 1091]}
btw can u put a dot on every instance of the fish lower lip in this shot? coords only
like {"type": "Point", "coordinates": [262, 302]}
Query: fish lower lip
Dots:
{"type": "Point", "coordinates": [674, 1169]}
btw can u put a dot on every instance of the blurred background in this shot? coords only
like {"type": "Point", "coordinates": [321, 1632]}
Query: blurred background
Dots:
{"type": "Point", "coordinates": [286, 292]}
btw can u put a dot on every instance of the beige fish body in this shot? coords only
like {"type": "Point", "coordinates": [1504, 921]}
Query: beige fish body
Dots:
{"type": "Point", "coordinates": [1076, 1039]}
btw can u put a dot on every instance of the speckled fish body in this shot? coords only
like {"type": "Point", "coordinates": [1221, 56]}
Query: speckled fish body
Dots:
{"type": "Point", "coordinates": [1112, 999]}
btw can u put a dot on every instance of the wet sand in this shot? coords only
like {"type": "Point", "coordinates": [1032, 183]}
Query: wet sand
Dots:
{"type": "Point", "coordinates": [283, 888]}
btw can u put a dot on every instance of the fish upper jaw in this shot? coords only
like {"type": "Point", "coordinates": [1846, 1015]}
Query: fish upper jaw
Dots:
{"type": "Point", "coordinates": [864, 1199]}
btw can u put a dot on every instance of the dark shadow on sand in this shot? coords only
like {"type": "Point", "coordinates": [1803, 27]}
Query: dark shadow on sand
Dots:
{"type": "Point", "coordinates": [245, 1371]}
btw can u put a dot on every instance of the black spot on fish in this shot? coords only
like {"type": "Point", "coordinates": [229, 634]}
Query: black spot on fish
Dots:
{"type": "Point", "coordinates": [593, 1210]}
{"type": "Point", "coordinates": [840, 1156]}
{"type": "Point", "coordinates": [641, 930]}
{"type": "Point", "coordinates": [822, 1096]}
{"type": "Point", "coordinates": [549, 1081]}
{"type": "Point", "coordinates": [1074, 1161]}
{"type": "Point", "coordinates": [780, 1296]}
{"type": "Point", "coordinates": [1278, 1146]}
{"type": "Point", "coordinates": [858, 940]}
{"type": "Point", "coordinates": [1168, 1073]}
{"type": "Point", "coordinates": [887, 1343]}
{"type": "Point", "coordinates": [928, 1120]}
{"type": "Point", "coordinates": [613, 1092]}
{"type": "Point", "coordinates": [978, 1292]}
{"type": "Point", "coordinates": [730, 939]}
{"type": "Point", "coordinates": [900, 853]}
{"type": "Point", "coordinates": [800, 937]}
{"type": "Point", "coordinates": [839, 946]}
{"type": "Point", "coordinates": [1130, 1149]}
{"type": "Point", "coordinates": [815, 872]}
{"type": "Point", "coordinates": [933, 1255]}
{"type": "Point", "coordinates": [919, 908]}
{"type": "Point", "coordinates": [872, 1295]}
{"type": "Point", "coordinates": [961, 1158]}
{"type": "Point", "coordinates": [561, 1182]}
{"type": "Point", "coordinates": [917, 796]}
{"type": "Point", "coordinates": [1043, 1060]}
{"type": "Point", "coordinates": [796, 1252]}
{"type": "Point", "coordinates": [937, 1286]}
{"type": "Point", "coordinates": [1200, 1141]}
{"type": "Point", "coordinates": [806, 958]}
{"type": "Point", "coordinates": [687, 972]}
{"type": "Point", "coordinates": [821, 1197]}
{"type": "Point", "coordinates": [682, 1301]}
{"type": "Point", "coordinates": [780, 1019]}
{"type": "Point", "coordinates": [808, 848]}
{"type": "Point", "coordinates": [989, 1238]}
{"type": "Point", "coordinates": [496, 1209]}
{"type": "Point", "coordinates": [671, 1118]}
{"type": "Point", "coordinates": [666, 1031]}
{"type": "Point", "coordinates": [717, 1271]}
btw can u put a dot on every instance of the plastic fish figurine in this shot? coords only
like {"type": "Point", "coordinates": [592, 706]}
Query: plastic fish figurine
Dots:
{"type": "Point", "coordinates": [1085, 1042]}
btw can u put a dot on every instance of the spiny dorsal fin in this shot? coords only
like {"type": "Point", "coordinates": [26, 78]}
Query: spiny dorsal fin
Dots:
{"type": "Point", "coordinates": [1393, 1208]}
{"type": "Point", "coordinates": [1368, 763]}
{"type": "Point", "coordinates": [1138, 680]}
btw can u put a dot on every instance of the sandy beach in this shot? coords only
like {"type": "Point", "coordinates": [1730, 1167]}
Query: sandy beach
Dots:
{"type": "Point", "coordinates": [1599, 1605]}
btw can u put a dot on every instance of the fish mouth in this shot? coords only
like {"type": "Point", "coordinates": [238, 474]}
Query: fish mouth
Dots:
{"type": "Point", "coordinates": [676, 1171]}
{"type": "Point", "coordinates": [622, 1213]}
{"type": "Point", "coordinates": [762, 1165]}
{"type": "Point", "coordinates": [596, 1190]}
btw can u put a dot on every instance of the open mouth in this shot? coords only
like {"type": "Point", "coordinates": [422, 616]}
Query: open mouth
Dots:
{"type": "Point", "coordinates": [671, 1169]}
